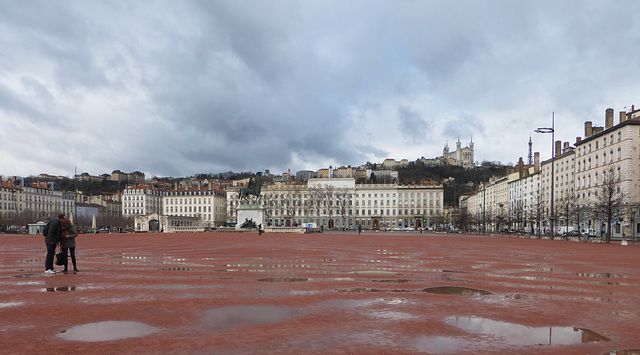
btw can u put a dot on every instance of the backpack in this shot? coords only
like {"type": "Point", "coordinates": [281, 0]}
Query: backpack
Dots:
{"type": "Point", "coordinates": [45, 231]}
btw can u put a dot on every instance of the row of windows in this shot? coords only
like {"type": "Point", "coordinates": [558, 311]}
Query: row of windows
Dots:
{"type": "Point", "coordinates": [367, 212]}
{"type": "Point", "coordinates": [583, 150]}
{"type": "Point", "coordinates": [188, 209]}
{"type": "Point", "coordinates": [586, 164]}
{"type": "Point", "coordinates": [390, 222]}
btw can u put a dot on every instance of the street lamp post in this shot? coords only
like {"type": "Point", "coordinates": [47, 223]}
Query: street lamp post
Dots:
{"type": "Point", "coordinates": [553, 142]}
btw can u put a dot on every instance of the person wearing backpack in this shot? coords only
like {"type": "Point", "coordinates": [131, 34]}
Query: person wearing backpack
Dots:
{"type": "Point", "coordinates": [52, 236]}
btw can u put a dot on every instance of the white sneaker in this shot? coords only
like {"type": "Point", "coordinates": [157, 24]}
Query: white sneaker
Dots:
{"type": "Point", "coordinates": [50, 272]}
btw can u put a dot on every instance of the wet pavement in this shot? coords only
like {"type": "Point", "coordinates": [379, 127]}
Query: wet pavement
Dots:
{"type": "Point", "coordinates": [331, 293]}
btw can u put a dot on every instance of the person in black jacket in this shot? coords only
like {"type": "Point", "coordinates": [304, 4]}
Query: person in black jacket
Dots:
{"type": "Point", "coordinates": [52, 236]}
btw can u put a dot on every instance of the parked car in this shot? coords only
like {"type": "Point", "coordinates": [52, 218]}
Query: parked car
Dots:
{"type": "Point", "coordinates": [570, 234]}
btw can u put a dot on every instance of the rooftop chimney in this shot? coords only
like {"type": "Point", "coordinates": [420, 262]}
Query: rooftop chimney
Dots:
{"type": "Point", "coordinates": [623, 116]}
{"type": "Point", "coordinates": [558, 148]}
{"type": "Point", "coordinates": [588, 129]}
{"type": "Point", "coordinates": [608, 118]}
{"type": "Point", "coordinates": [536, 162]}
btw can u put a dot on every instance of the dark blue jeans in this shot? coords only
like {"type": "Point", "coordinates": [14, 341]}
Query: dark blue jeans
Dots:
{"type": "Point", "coordinates": [51, 252]}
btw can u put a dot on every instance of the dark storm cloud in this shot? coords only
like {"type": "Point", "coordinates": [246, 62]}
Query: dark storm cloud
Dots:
{"type": "Point", "coordinates": [177, 88]}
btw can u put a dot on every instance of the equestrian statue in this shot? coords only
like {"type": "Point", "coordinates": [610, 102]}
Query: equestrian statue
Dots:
{"type": "Point", "coordinates": [253, 188]}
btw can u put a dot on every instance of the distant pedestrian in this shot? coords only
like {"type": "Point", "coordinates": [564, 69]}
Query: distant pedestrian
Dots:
{"type": "Point", "coordinates": [68, 244]}
{"type": "Point", "coordinates": [359, 229]}
{"type": "Point", "coordinates": [52, 235]}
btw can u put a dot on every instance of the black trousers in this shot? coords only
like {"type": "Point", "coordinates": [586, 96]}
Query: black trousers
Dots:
{"type": "Point", "coordinates": [73, 257]}
{"type": "Point", "coordinates": [51, 251]}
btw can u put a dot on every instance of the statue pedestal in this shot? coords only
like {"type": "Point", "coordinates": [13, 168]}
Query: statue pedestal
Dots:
{"type": "Point", "coordinates": [253, 212]}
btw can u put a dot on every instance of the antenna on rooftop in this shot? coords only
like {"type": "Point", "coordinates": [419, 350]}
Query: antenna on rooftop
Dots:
{"type": "Point", "coordinates": [530, 151]}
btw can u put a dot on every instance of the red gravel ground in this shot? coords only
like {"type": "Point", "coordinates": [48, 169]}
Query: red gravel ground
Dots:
{"type": "Point", "coordinates": [331, 293]}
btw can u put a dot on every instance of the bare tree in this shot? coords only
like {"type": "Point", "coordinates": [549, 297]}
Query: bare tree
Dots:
{"type": "Point", "coordinates": [464, 218]}
{"type": "Point", "coordinates": [316, 200]}
{"type": "Point", "coordinates": [609, 200]}
{"type": "Point", "coordinates": [488, 217]}
{"type": "Point", "coordinates": [565, 209]}
{"type": "Point", "coordinates": [329, 202]}
{"type": "Point", "coordinates": [536, 207]}
{"type": "Point", "coordinates": [581, 212]}
{"type": "Point", "coordinates": [343, 207]}
{"type": "Point", "coordinates": [291, 201]}
{"type": "Point", "coordinates": [501, 217]}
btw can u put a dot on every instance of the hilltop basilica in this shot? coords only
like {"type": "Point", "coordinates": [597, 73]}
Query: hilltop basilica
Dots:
{"type": "Point", "coordinates": [460, 157]}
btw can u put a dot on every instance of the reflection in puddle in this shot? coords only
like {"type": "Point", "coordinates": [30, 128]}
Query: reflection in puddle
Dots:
{"type": "Point", "coordinates": [224, 318]}
{"type": "Point", "coordinates": [10, 304]}
{"type": "Point", "coordinates": [454, 290]}
{"type": "Point", "coordinates": [624, 352]}
{"type": "Point", "coordinates": [516, 334]}
{"type": "Point", "coordinates": [284, 279]}
{"type": "Point", "coordinates": [106, 331]}
{"type": "Point", "coordinates": [60, 289]}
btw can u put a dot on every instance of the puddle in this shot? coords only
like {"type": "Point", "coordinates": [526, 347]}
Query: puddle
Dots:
{"type": "Point", "coordinates": [358, 290]}
{"type": "Point", "coordinates": [393, 281]}
{"type": "Point", "coordinates": [10, 304]}
{"type": "Point", "coordinates": [347, 303]}
{"type": "Point", "coordinates": [284, 279]}
{"type": "Point", "coordinates": [60, 289]}
{"type": "Point", "coordinates": [24, 276]}
{"type": "Point", "coordinates": [392, 315]}
{"type": "Point", "coordinates": [367, 289]}
{"type": "Point", "coordinates": [439, 344]}
{"type": "Point", "coordinates": [374, 272]}
{"type": "Point", "coordinates": [602, 275]}
{"type": "Point", "coordinates": [454, 290]}
{"type": "Point", "coordinates": [624, 352]}
{"type": "Point", "coordinates": [176, 269]}
{"type": "Point", "coordinates": [107, 331]}
{"type": "Point", "coordinates": [516, 334]}
{"type": "Point", "coordinates": [225, 318]}
{"type": "Point", "coordinates": [167, 287]}
{"type": "Point", "coordinates": [29, 283]}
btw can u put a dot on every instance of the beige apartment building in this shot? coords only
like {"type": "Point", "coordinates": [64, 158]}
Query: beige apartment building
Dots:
{"type": "Point", "coordinates": [205, 203]}
{"type": "Point", "coordinates": [612, 149]}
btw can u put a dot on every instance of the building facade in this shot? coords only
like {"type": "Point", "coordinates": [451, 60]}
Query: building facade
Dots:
{"type": "Point", "coordinates": [341, 203]}
{"type": "Point", "coordinates": [140, 200]}
{"type": "Point", "coordinates": [206, 204]}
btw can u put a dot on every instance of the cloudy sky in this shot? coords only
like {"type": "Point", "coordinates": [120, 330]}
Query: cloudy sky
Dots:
{"type": "Point", "coordinates": [175, 88]}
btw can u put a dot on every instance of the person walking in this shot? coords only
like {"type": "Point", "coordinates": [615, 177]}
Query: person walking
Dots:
{"type": "Point", "coordinates": [52, 235]}
{"type": "Point", "coordinates": [68, 244]}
